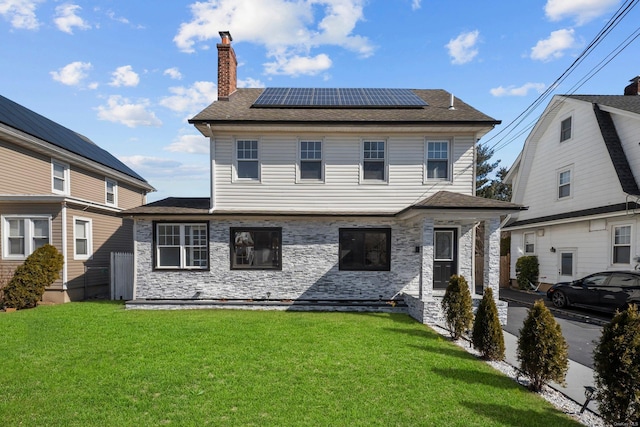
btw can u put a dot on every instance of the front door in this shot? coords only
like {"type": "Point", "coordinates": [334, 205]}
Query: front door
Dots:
{"type": "Point", "coordinates": [445, 262]}
{"type": "Point", "coordinates": [566, 265]}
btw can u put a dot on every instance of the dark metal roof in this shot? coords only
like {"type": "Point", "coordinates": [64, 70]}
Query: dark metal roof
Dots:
{"type": "Point", "coordinates": [237, 110]}
{"type": "Point", "coordinates": [616, 152]}
{"type": "Point", "coordinates": [18, 117]}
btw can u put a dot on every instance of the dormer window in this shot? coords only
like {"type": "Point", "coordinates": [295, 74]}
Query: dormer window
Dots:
{"type": "Point", "coordinates": [565, 129]}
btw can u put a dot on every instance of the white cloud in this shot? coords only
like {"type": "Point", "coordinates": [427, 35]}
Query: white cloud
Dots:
{"type": "Point", "coordinates": [249, 82]}
{"type": "Point", "coordinates": [173, 72]}
{"type": "Point", "coordinates": [192, 144]}
{"type": "Point", "coordinates": [66, 18]}
{"type": "Point", "coordinates": [462, 49]}
{"type": "Point", "coordinates": [72, 74]}
{"type": "Point", "coordinates": [582, 11]}
{"type": "Point", "coordinates": [149, 166]}
{"type": "Point", "coordinates": [20, 13]}
{"type": "Point", "coordinates": [190, 99]}
{"type": "Point", "coordinates": [124, 76]}
{"type": "Point", "coordinates": [518, 91]}
{"type": "Point", "coordinates": [298, 65]}
{"type": "Point", "coordinates": [554, 46]}
{"type": "Point", "coordinates": [121, 110]}
{"type": "Point", "coordinates": [289, 30]}
{"type": "Point", "coordinates": [415, 4]}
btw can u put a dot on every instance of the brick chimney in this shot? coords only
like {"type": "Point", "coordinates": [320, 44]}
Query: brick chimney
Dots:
{"type": "Point", "coordinates": [227, 66]}
{"type": "Point", "coordinates": [633, 88]}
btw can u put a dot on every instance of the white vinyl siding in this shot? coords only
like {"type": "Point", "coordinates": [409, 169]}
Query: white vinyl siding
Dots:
{"type": "Point", "coordinates": [343, 190]}
{"type": "Point", "coordinates": [24, 234]}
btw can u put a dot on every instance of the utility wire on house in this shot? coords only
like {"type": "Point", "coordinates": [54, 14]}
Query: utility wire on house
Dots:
{"type": "Point", "coordinates": [516, 123]}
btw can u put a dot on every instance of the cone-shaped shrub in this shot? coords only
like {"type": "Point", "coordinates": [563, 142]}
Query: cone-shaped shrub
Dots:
{"type": "Point", "coordinates": [616, 360]}
{"type": "Point", "coordinates": [542, 350]}
{"type": "Point", "coordinates": [30, 279]}
{"type": "Point", "coordinates": [457, 306]}
{"type": "Point", "coordinates": [487, 336]}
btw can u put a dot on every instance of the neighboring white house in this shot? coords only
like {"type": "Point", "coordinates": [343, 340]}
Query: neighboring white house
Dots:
{"type": "Point", "coordinates": [578, 174]}
{"type": "Point", "coordinates": [341, 199]}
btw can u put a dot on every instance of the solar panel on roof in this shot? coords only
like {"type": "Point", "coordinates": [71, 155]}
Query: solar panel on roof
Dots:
{"type": "Point", "coordinates": [338, 98]}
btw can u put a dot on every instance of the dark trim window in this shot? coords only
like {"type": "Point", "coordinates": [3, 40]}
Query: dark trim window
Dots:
{"type": "Point", "coordinates": [247, 164]}
{"type": "Point", "coordinates": [311, 160]}
{"type": "Point", "coordinates": [373, 161]}
{"type": "Point", "coordinates": [256, 248]}
{"type": "Point", "coordinates": [622, 244]}
{"type": "Point", "coordinates": [565, 129]}
{"type": "Point", "coordinates": [365, 249]}
{"type": "Point", "coordinates": [183, 246]}
{"type": "Point", "coordinates": [438, 160]}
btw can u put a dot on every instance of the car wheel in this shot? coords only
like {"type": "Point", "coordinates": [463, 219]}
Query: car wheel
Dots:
{"type": "Point", "coordinates": [559, 299]}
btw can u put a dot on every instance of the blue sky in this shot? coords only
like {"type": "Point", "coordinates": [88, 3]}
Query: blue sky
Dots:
{"type": "Point", "coordinates": [128, 74]}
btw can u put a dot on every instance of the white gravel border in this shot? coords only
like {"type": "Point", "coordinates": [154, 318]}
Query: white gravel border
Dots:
{"type": "Point", "coordinates": [557, 399]}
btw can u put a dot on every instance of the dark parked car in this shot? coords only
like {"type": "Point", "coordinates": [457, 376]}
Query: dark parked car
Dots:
{"type": "Point", "coordinates": [604, 291]}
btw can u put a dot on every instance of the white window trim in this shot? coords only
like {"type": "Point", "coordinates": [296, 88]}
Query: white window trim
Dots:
{"type": "Point", "coordinates": [425, 172]}
{"type": "Point", "coordinates": [524, 242]}
{"type": "Point", "coordinates": [182, 246]}
{"type": "Point", "coordinates": [613, 243]}
{"type": "Point", "coordinates": [67, 176]}
{"type": "Point", "coordinates": [235, 161]}
{"type": "Point", "coordinates": [89, 230]}
{"type": "Point", "coordinates": [573, 124]}
{"type": "Point", "coordinates": [571, 182]}
{"type": "Point", "coordinates": [28, 234]}
{"type": "Point", "coordinates": [115, 191]}
{"type": "Point", "coordinates": [385, 181]}
{"type": "Point", "coordinates": [301, 180]}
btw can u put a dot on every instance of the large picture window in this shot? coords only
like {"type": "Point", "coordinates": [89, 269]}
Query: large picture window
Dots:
{"type": "Point", "coordinates": [182, 246]}
{"type": "Point", "coordinates": [256, 248]}
{"type": "Point", "coordinates": [622, 244]}
{"type": "Point", "coordinates": [365, 249]}
{"type": "Point", "coordinates": [438, 160]}
{"type": "Point", "coordinates": [24, 234]}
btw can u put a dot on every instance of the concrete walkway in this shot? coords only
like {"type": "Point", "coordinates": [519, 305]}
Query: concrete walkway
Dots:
{"type": "Point", "coordinates": [578, 375]}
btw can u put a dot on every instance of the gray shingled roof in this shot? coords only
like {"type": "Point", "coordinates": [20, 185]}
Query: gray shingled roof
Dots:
{"type": "Point", "coordinates": [18, 117]}
{"type": "Point", "coordinates": [621, 102]}
{"type": "Point", "coordinates": [238, 110]}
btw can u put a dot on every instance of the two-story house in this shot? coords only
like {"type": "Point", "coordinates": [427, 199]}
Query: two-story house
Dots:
{"type": "Point", "coordinates": [60, 188]}
{"type": "Point", "coordinates": [578, 173]}
{"type": "Point", "coordinates": [345, 199]}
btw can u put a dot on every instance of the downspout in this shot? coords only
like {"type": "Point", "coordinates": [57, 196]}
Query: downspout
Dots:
{"type": "Point", "coordinates": [474, 237]}
{"type": "Point", "coordinates": [63, 213]}
{"type": "Point", "coordinates": [212, 170]}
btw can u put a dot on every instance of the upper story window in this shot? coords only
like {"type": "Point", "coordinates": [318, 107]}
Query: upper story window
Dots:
{"type": "Point", "coordinates": [564, 184]}
{"type": "Point", "coordinates": [373, 161]}
{"type": "Point", "coordinates": [622, 244]}
{"type": "Point", "coordinates": [438, 160]}
{"type": "Point", "coordinates": [59, 177]}
{"type": "Point", "coordinates": [311, 160]}
{"type": "Point", "coordinates": [365, 249]}
{"type": "Point", "coordinates": [529, 243]}
{"type": "Point", "coordinates": [565, 129]}
{"type": "Point", "coordinates": [24, 234]}
{"type": "Point", "coordinates": [181, 246]}
{"type": "Point", "coordinates": [111, 196]}
{"type": "Point", "coordinates": [82, 238]}
{"type": "Point", "coordinates": [247, 160]}
{"type": "Point", "coordinates": [256, 248]}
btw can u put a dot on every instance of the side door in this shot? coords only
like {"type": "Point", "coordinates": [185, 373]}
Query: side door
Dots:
{"type": "Point", "coordinates": [445, 256]}
{"type": "Point", "coordinates": [566, 264]}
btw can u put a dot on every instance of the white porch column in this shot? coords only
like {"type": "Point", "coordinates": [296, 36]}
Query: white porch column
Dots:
{"type": "Point", "coordinates": [492, 255]}
{"type": "Point", "coordinates": [426, 270]}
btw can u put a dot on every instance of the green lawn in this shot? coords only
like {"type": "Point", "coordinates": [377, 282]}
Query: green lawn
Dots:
{"type": "Point", "coordinates": [83, 364]}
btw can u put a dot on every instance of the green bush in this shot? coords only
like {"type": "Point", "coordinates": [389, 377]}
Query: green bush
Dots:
{"type": "Point", "coordinates": [457, 306]}
{"type": "Point", "coordinates": [527, 271]}
{"type": "Point", "coordinates": [542, 350]}
{"type": "Point", "coordinates": [30, 279]}
{"type": "Point", "coordinates": [616, 360]}
{"type": "Point", "coordinates": [487, 336]}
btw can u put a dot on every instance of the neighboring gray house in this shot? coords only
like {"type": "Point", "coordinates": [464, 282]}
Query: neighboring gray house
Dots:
{"type": "Point", "coordinates": [578, 173]}
{"type": "Point", "coordinates": [342, 199]}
